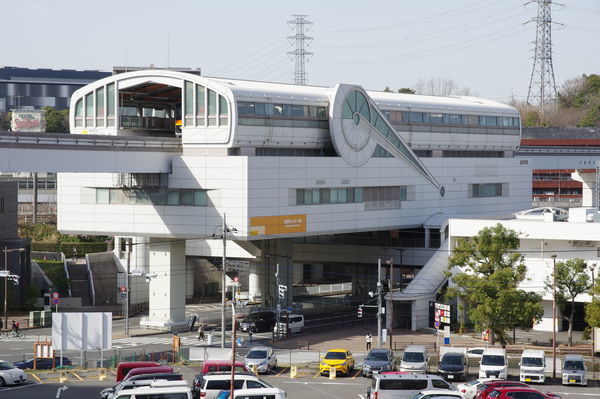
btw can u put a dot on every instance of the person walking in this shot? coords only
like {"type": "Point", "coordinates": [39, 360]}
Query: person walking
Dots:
{"type": "Point", "coordinates": [74, 253]}
{"type": "Point", "coordinates": [1, 324]}
{"type": "Point", "coordinates": [201, 332]}
{"type": "Point", "coordinates": [369, 339]}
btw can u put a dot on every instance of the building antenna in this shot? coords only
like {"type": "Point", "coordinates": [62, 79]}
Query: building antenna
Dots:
{"type": "Point", "coordinates": [301, 25]}
{"type": "Point", "coordinates": [542, 86]}
{"type": "Point", "coordinates": [168, 50]}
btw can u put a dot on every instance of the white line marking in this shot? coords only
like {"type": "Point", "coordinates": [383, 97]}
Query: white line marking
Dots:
{"type": "Point", "coordinates": [19, 387]}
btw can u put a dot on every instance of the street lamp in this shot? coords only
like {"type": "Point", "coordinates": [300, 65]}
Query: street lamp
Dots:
{"type": "Point", "coordinates": [554, 317]}
{"type": "Point", "coordinates": [6, 251]}
{"type": "Point", "coordinates": [593, 268]}
{"type": "Point", "coordinates": [224, 234]}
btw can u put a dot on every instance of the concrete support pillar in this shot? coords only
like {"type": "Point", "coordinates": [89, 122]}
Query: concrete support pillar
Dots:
{"type": "Point", "coordinates": [442, 235]}
{"type": "Point", "coordinates": [297, 273]}
{"type": "Point", "coordinates": [389, 317]}
{"type": "Point", "coordinates": [168, 288]}
{"type": "Point", "coordinates": [427, 238]}
{"type": "Point", "coordinates": [254, 289]}
{"type": "Point", "coordinates": [316, 272]}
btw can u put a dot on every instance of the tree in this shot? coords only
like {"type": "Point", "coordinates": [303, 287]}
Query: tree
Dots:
{"type": "Point", "coordinates": [406, 90]}
{"type": "Point", "coordinates": [490, 271]}
{"type": "Point", "coordinates": [592, 309]}
{"type": "Point", "coordinates": [57, 121]}
{"type": "Point", "coordinates": [572, 280]}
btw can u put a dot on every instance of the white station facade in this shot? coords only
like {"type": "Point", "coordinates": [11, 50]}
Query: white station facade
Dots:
{"type": "Point", "coordinates": [319, 180]}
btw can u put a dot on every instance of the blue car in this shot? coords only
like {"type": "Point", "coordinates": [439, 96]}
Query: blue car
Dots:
{"type": "Point", "coordinates": [43, 364]}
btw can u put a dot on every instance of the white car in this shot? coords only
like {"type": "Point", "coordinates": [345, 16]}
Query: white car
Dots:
{"type": "Point", "coordinates": [469, 389]}
{"type": "Point", "coordinates": [475, 353]}
{"type": "Point", "coordinates": [439, 394]}
{"type": "Point", "coordinates": [9, 374]}
{"type": "Point", "coordinates": [261, 357]}
{"type": "Point", "coordinates": [540, 213]}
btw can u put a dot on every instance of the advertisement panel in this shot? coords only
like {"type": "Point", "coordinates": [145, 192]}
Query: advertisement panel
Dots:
{"type": "Point", "coordinates": [282, 224]}
{"type": "Point", "coordinates": [82, 331]}
{"type": "Point", "coordinates": [28, 120]}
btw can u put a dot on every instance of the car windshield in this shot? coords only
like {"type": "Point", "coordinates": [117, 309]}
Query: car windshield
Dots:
{"type": "Point", "coordinates": [253, 317]}
{"type": "Point", "coordinates": [492, 360]}
{"type": "Point", "coordinates": [6, 366]}
{"type": "Point", "coordinates": [257, 354]}
{"type": "Point", "coordinates": [452, 360]}
{"type": "Point", "coordinates": [414, 357]}
{"type": "Point", "coordinates": [533, 362]}
{"type": "Point", "coordinates": [335, 355]}
{"type": "Point", "coordinates": [573, 365]}
{"type": "Point", "coordinates": [378, 356]}
{"type": "Point", "coordinates": [471, 383]}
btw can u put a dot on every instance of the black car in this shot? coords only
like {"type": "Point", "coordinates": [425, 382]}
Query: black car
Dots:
{"type": "Point", "coordinates": [453, 366]}
{"type": "Point", "coordinates": [43, 364]}
{"type": "Point", "coordinates": [258, 322]}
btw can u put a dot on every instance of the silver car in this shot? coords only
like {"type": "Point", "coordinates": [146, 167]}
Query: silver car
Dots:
{"type": "Point", "coordinates": [9, 374]}
{"type": "Point", "coordinates": [261, 357]}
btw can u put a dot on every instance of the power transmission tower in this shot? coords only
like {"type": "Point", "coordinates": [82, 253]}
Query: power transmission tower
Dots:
{"type": "Point", "coordinates": [301, 25]}
{"type": "Point", "coordinates": [542, 86]}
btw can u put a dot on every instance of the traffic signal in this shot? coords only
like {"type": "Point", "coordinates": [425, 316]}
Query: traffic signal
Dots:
{"type": "Point", "coordinates": [282, 290]}
{"type": "Point", "coordinates": [360, 310]}
{"type": "Point", "coordinates": [385, 285]}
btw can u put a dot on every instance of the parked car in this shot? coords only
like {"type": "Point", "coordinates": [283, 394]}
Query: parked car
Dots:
{"type": "Point", "coordinates": [293, 323]}
{"type": "Point", "coordinates": [158, 390]}
{"type": "Point", "coordinates": [124, 367]}
{"type": "Point", "coordinates": [341, 359]}
{"type": "Point", "coordinates": [415, 359]}
{"type": "Point", "coordinates": [519, 393]}
{"type": "Point", "coordinates": [138, 381]}
{"type": "Point", "coordinates": [270, 393]}
{"type": "Point", "coordinates": [404, 386]}
{"type": "Point", "coordinates": [453, 366]}
{"type": "Point", "coordinates": [475, 353]}
{"type": "Point", "coordinates": [489, 386]}
{"type": "Point", "coordinates": [213, 383]}
{"type": "Point", "coordinates": [148, 370]}
{"type": "Point", "coordinates": [214, 367]}
{"type": "Point", "coordinates": [378, 360]}
{"type": "Point", "coordinates": [261, 357]}
{"type": "Point", "coordinates": [493, 364]}
{"type": "Point", "coordinates": [469, 389]}
{"type": "Point", "coordinates": [9, 374]}
{"type": "Point", "coordinates": [258, 322]}
{"type": "Point", "coordinates": [574, 370]}
{"type": "Point", "coordinates": [438, 394]}
{"type": "Point", "coordinates": [43, 364]}
{"type": "Point", "coordinates": [532, 367]}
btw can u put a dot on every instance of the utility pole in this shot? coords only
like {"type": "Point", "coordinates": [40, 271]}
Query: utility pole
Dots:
{"type": "Point", "coordinates": [379, 312]}
{"type": "Point", "coordinates": [34, 206]}
{"type": "Point", "coordinates": [390, 311]}
{"type": "Point", "coordinates": [593, 330]}
{"type": "Point", "coordinates": [301, 41]}
{"type": "Point", "coordinates": [278, 304]}
{"type": "Point", "coordinates": [128, 286]}
{"type": "Point", "coordinates": [223, 282]}
{"type": "Point", "coordinates": [554, 317]}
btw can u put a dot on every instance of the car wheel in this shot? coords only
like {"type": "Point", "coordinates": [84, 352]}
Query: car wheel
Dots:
{"type": "Point", "coordinates": [2, 382]}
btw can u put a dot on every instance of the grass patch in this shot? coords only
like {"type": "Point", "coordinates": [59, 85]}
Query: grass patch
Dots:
{"type": "Point", "coordinates": [55, 271]}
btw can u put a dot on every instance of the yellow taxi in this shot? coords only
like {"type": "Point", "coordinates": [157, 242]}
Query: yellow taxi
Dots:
{"type": "Point", "coordinates": [341, 359]}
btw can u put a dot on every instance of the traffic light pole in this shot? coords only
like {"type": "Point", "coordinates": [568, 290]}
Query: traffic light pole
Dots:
{"type": "Point", "coordinates": [379, 313]}
{"type": "Point", "coordinates": [278, 305]}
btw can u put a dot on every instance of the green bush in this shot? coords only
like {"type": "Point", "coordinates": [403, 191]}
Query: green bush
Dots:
{"type": "Point", "coordinates": [83, 248]}
{"type": "Point", "coordinates": [55, 271]}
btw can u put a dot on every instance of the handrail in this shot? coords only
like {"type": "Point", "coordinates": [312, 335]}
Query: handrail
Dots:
{"type": "Point", "coordinates": [90, 278]}
{"type": "Point", "coordinates": [67, 273]}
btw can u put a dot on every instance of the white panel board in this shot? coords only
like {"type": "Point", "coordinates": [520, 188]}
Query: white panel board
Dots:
{"type": "Point", "coordinates": [82, 331]}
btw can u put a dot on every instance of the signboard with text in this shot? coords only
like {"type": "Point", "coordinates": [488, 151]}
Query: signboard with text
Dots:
{"type": "Point", "coordinates": [28, 120]}
{"type": "Point", "coordinates": [441, 313]}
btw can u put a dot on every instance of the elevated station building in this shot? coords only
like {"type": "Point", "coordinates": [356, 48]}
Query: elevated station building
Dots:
{"type": "Point", "coordinates": [321, 181]}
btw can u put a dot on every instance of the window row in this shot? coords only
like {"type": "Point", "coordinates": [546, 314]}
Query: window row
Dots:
{"type": "Point", "coordinates": [246, 108]}
{"type": "Point", "coordinates": [97, 108]}
{"type": "Point", "coordinates": [42, 183]}
{"type": "Point", "coordinates": [438, 118]}
{"type": "Point", "coordinates": [283, 122]}
{"type": "Point", "coordinates": [374, 197]}
{"type": "Point", "coordinates": [488, 190]}
{"type": "Point", "coordinates": [204, 107]}
{"type": "Point", "coordinates": [158, 196]}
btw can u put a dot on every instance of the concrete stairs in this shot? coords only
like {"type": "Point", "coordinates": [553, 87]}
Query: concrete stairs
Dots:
{"type": "Point", "coordinates": [80, 282]}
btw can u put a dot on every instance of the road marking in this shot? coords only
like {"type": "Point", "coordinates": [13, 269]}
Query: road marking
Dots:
{"type": "Point", "coordinates": [38, 379]}
{"type": "Point", "coordinates": [362, 396]}
{"type": "Point", "coordinates": [76, 375]}
{"type": "Point", "coordinates": [318, 382]}
{"type": "Point", "coordinates": [282, 371]}
{"type": "Point", "coordinates": [356, 374]}
{"type": "Point", "coordinates": [318, 374]}
{"type": "Point", "coordinates": [17, 387]}
{"type": "Point", "coordinates": [112, 371]}
{"type": "Point", "coordinates": [578, 393]}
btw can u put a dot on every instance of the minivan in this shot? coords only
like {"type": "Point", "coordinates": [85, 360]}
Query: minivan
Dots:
{"type": "Point", "coordinates": [292, 323]}
{"type": "Point", "coordinates": [574, 370]}
{"type": "Point", "coordinates": [148, 370]}
{"type": "Point", "coordinates": [158, 390]}
{"type": "Point", "coordinates": [404, 386]}
{"type": "Point", "coordinates": [493, 364]}
{"type": "Point", "coordinates": [124, 367]}
{"type": "Point", "coordinates": [415, 359]}
{"type": "Point", "coordinates": [532, 367]}
{"type": "Point", "coordinates": [258, 322]}
{"type": "Point", "coordinates": [212, 384]}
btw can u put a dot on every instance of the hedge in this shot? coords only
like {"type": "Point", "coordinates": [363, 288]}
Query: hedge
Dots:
{"type": "Point", "coordinates": [83, 248]}
{"type": "Point", "coordinates": [55, 271]}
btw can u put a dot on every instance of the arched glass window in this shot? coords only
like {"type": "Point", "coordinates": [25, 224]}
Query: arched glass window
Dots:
{"type": "Point", "coordinates": [100, 107]}
{"type": "Point", "coordinates": [89, 109]}
{"type": "Point", "coordinates": [110, 102]}
{"type": "Point", "coordinates": [79, 113]}
{"type": "Point", "coordinates": [223, 111]}
{"type": "Point", "coordinates": [200, 105]}
{"type": "Point", "coordinates": [188, 100]}
{"type": "Point", "coordinates": [212, 108]}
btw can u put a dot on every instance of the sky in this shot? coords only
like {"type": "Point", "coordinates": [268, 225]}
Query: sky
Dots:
{"type": "Point", "coordinates": [483, 45]}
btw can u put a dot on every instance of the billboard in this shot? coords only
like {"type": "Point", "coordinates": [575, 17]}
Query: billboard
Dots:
{"type": "Point", "coordinates": [28, 120]}
{"type": "Point", "coordinates": [284, 224]}
{"type": "Point", "coordinates": [82, 331]}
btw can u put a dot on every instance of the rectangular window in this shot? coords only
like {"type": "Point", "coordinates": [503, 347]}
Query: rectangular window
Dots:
{"type": "Point", "coordinates": [333, 194]}
{"type": "Point", "coordinates": [186, 197]}
{"type": "Point", "coordinates": [173, 197]}
{"type": "Point", "coordinates": [114, 196]}
{"type": "Point", "coordinates": [308, 197]}
{"type": "Point", "coordinates": [436, 118]}
{"type": "Point", "coordinates": [299, 197]}
{"type": "Point", "coordinates": [158, 196]}
{"type": "Point", "coordinates": [200, 105]}
{"type": "Point", "coordinates": [403, 193]}
{"type": "Point", "coordinates": [89, 110]}
{"type": "Point", "coordinates": [486, 190]}
{"type": "Point", "coordinates": [200, 198]}
{"type": "Point", "coordinates": [416, 117]}
{"type": "Point", "coordinates": [454, 119]}
{"type": "Point", "coordinates": [223, 111]}
{"type": "Point", "coordinates": [100, 107]}
{"type": "Point", "coordinates": [212, 108]}
{"type": "Point", "coordinates": [325, 196]}
{"type": "Point", "coordinates": [110, 104]}
{"type": "Point", "coordinates": [246, 108]}
{"type": "Point", "coordinates": [316, 198]}
{"type": "Point", "coordinates": [358, 194]}
{"type": "Point", "coordinates": [342, 195]}
{"type": "Point", "coordinates": [79, 113]}
{"type": "Point", "coordinates": [102, 196]}
{"type": "Point", "coordinates": [188, 100]}
{"type": "Point", "coordinates": [1, 204]}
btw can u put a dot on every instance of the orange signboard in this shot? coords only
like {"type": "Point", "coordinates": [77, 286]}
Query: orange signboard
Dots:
{"type": "Point", "coordinates": [284, 224]}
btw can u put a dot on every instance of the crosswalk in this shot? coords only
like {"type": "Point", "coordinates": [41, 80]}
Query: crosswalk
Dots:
{"type": "Point", "coordinates": [119, 343]}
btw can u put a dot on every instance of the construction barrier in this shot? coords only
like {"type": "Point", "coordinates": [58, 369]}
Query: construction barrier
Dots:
{"type": "Point", "coordinates": [254, 369]}
{"type": "Point", "coordinates": [293, 371]}
{"type": "Point", "coordinates": [101, 374]}
{"type": "Point", "coordinates": [62, 377]}
{"type": "Point", "coordinates": [332, 373]}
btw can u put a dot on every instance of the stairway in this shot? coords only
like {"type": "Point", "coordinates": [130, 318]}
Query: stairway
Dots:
{"type": "Point", "coordinates": [80, 283]}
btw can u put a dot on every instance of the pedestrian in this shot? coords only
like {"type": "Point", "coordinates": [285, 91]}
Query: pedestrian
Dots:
{"type": "Point", "coordinates": [250, 335]}
{"type": "Point", "coordinates": [1, 324]}
{"type": "Point", "coordinates": [201, 332]}
{"type": "Point", "coordinates": [369, 341]}
{"type": "Point", "coordinates": [14, 326]}
{"type": "Point", "coordinates": [74, 253]}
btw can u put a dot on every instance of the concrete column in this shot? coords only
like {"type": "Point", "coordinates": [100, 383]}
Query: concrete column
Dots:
{"type": "Point", "coordinates": [254, 290]}
{"type": "Point", "coordinates": [427, 238]}
{"type": "Point", "coordinates": [168, 288]}
{"type": "Point", "coordinates": [297, 273]}
{"type": "Point", "coordinates": [316, 272]}
{"type": "Point", "coordinates": [388, 316]}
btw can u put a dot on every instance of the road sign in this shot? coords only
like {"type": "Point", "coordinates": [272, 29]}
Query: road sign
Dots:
{"type": "Point", "coordinates": [55, 295]}
{"type": "Point", "coordinates": [437, 324]}
{"type": "Point", "coordinates": [123, 295]}
{"type": "Point", "coordinates": [123, 288]}
{"type": "Point", "coordinates": [289, 309]}
{"type": "Point", "coordinates": [55, 301]}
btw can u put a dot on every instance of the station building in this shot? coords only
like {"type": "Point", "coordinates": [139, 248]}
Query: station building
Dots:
{"type": "Point", "coordinates": [319, 181]}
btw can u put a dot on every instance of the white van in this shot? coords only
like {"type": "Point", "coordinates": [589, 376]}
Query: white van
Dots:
{"type": "Point", "coordinates": [158, 390]}
{"type": "Point", "coordinates": [415, 359]}
{"type": "Point", "coordinates": [260, 393]}
{"type": "Point", "coordinates": [296, 324]}
{"type": "Point", "coordinates": [494, 363]}
{"type": "Point", "coordinates": [532, 366]}
{"type": "Point", "coordinates": [404, 386]}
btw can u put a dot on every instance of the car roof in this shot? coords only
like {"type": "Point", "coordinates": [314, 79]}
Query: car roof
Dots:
{"type": "Point", "coordinates": [574, 357]}
{"type": "Point", "coordinates": [516, 388]}
{"type": "Point", "coordinates": [453, 354]}
{"type": "Point", "coordinates": [379, 350]}
{"type": "Point", "coordinates": [138, 363]}
{"type": "Point", "coordinates": [409, 376]}
{"type": "Point", "coordinates": [494, 351]}
{"type": "Point", "coordinates": [260, 348]}
{"type": "Point", "coordinates": [441, 392]}
{"type": "Point", "coordinates": [533, 353]}
{"type": "Point", "coordinates": [150, 370]}
{"type": "Point", "coordinates": [155, 376]}
{"type": "Point", "coordinates": [338, 350]}
{"type": "Point", "coordinates": [214, 376]}
{"type": "Point", "coordinates": [415, 348]}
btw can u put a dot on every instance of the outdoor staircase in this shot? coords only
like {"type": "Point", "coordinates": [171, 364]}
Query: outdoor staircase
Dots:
{"type": "Point", "coordinates": [80, 283]}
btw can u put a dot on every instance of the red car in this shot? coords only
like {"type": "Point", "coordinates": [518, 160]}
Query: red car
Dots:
{"type": "Point", "coordinates": [487, 387]}
{"type": "Point", "coordinates": [519, 393]}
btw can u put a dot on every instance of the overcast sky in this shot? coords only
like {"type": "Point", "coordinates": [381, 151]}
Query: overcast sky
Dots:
{"type": "Point", "coordinates": [481, 44]}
